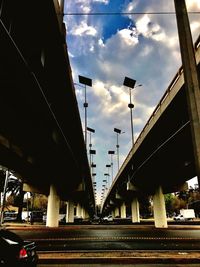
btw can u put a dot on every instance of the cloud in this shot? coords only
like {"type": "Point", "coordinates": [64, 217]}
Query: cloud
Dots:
{"type": "Point", "coordinates": [147, 50]}
{"type": "Point", "coordinates": [102, 1]}
{"type": "Point", "coordinates": [83, 29]}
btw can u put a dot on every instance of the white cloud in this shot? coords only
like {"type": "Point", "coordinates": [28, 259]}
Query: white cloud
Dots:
{"type": "Point", "coordinates": [83, 29]}
{"type": "Point", "coordinates": [127, 36]}
{"type": "Point", "coordinates": [148, 52]}
{"type": "Point", "coordinates": [193, 5]}
{"type": "Point", "coordinates": [102, 1]}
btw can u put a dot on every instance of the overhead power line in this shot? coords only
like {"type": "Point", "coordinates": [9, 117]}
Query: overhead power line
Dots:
{"type": "Point", "coordinates": [123, 13]}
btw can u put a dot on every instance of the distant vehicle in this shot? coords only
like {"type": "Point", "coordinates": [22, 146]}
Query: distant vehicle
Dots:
{"type": "Point", "coordinates": [119, 220]}
{"type": "Point", "coordinates": [15, 251]}
{"type": "Point", "coordinates": [185, 215]}
{"type": "Point", "coordinates": [36, 216]}
{"type": "Point", "coordinates": [108, 218]}
{"type": "Point", "coordinates": [9, 216]}
{"type": "Point", "coordinates": [62, 218]}
{"type": "Point", "coordinates": [78, 219]}
{"type": "Point", "coordinates": [95, 219]}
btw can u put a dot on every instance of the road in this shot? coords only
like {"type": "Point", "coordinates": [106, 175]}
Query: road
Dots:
{"type": "Point", "coordinates": [115, 244]}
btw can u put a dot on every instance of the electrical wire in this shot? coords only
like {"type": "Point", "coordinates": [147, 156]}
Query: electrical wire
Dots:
{"type": "Point", "coordinates": [123, 13]}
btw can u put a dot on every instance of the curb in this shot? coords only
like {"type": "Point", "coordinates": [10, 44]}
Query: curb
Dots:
{"type": "Point", "coordinates": [124, 257]}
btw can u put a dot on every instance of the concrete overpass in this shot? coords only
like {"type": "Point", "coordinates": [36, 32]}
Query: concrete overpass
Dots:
{"type": "Point", "coordinates": [41, 136]}
{"type": "Point", "coordinates": [162, 158]}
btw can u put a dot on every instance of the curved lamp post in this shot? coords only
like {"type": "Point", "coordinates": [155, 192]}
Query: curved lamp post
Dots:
{"type": "Point", "coordinates": [130, 83]}
{"type": "Point", "coordinates": [111, 153]}
{"type": "Point", "coordinates": [88, 82]}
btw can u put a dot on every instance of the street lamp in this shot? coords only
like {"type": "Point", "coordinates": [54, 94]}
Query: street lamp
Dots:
{"type": "Point", "coordinates": [93, 165]}
{"type": "Point", "coordinates": [92, 152]}
{"type": "Point", "coordinates": [85, 81]}
{"type": "Point", "coordinates": [108, 166]}
{"type": "Point", "coordinates": [90, 130]}
{"type": "Point", "coordinates": [111, 153]}
{"type": "Point", "coordinates": [131, 84]}
{"type": "Point", "coordinates": [118, 131]}
{"type": "Point", "coordinates": [108, 183]}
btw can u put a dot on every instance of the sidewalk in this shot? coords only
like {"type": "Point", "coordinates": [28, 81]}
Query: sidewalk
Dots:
{"type": "Point", "coordinates": [124, 257]}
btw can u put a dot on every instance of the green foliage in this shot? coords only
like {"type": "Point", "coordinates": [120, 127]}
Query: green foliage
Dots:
{"type": "Point", "coordinates": [39, 202]}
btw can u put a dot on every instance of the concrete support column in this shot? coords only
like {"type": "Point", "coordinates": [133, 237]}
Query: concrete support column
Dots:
{"type": "Point", "coordinates": [78, 210]}
{"type": "Point", "coordinates": [135, 210]}
{"type": "Point", "coordinates": [192, 83]}
{"type": "Point", "coordinates": [53, 208]}
{"type": "Point", "coordinates": [86, 214]}
{"type": "Point", "coordinates": [116, 212]}
{"type": "Point", "coordinates": [70, 212]}
{"type": "Point", "coordinates": [123, 210]}
{"type": "Point", "coordinates": [83, 212]}
{"type": "Point", "coordinates": [159, 209]}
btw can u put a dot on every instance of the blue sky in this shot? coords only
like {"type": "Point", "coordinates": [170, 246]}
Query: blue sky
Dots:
{"type": "Point", "coordinates": [106, 48]}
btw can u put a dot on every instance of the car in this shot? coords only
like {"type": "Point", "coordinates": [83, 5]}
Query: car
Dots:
{"type": "Point", "coordinates": [108, 218]}
{"type": "Point", "coordinates": [9, 216]}
{"type": "Point", "coordinates": [179, 217]}
{"type": "Point", "coordinates": [36, 216]}
{"type": "Point", "coordinates": [14, 251]}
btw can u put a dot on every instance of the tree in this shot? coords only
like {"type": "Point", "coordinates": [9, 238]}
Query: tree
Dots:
{"type": "Point", "coordinates": [15, 189]}
{"type": "Point", "coordinates": [169, 198]}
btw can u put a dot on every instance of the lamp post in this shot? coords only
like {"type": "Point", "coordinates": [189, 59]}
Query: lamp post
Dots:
{"type": "Point", "coordinates": [85, 81]}
{"type": "Point", "coordinates": [118, 131]}
{"type": "Point", "coordinates": [107, 175]}
{"type": "Point", "coordinates": [130, 83]}
{"type": "Point", "coordinates": [90, 130]}
{"type": "Point", "coordinates": [108, 166]}
{"type": "Point", "coordinates": [111, 153]}
{"type": "Point", "coordinates": [93, 177]}
{"type": "Point", "coordinates": [92, 152]}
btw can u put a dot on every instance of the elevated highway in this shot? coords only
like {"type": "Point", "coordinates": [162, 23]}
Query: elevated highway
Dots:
{"type": "Point", "coordinates": [162, 155]}
{"type": "Point", "coordinates": [41, 137]}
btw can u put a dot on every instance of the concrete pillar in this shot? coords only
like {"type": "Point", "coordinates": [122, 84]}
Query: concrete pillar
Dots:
{"type": "Point", "coordinates": [78, 210]}
{"type": "Point", "coordinates": [70, 212]}
{"type": "Point", "coordinates": [159, 209]}
{"type": "Point", "coordinates": [123, 210]}
{"type": "Point", "coordinates": [192, 83]}
{"type": "Point", "coordinates": [135, 210]}
{"type": "Point", "coordinates": [53, 208]}
{"type": "Point", "coordinates": [116, 212]}
{"type": "Point", "coordinates": [87, 216]}
{"type": "Point", "coordinates": [83, 212]}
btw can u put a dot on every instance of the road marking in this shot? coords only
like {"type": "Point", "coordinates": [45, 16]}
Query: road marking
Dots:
{"type": "Point", "coordinates": [86, 238]}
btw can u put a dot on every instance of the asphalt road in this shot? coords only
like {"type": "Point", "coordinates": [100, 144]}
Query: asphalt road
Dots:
{"type": "Point", "coordinates": [114, 245]}
{"type": "Point", "coordinates": [110, 237]}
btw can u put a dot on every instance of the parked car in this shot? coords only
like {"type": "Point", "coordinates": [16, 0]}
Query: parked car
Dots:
{"type": "Point", "coordinates": [179, 218]}
{"type": "Point", "coordinates": [36, 216]}
{"type": "Point", "coordinates": [15, 251]}
{"type": "Point", "coordinates": [108, 218]}
{"type": "Point", "coordinates": [9, 216]}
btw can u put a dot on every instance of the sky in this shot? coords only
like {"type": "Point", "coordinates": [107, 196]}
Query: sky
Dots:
{"type": "Point", "coordinates": [108, 48]}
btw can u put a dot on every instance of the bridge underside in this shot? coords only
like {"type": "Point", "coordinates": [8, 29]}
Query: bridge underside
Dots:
{"type": "Point", "coordinates": [165, 157]}
{"type": "Point", "coordinates": [41, 135]}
